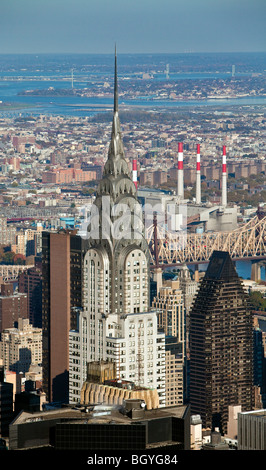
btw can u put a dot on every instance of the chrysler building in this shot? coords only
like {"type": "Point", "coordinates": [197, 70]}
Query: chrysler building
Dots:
{"type": "Point", "coordinates": [115, 323]}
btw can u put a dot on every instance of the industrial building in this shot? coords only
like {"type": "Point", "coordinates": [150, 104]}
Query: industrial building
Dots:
{"type": "Point", "coordinates": [195, 216]}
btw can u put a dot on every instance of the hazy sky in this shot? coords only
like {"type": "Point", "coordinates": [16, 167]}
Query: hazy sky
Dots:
{"type": "Point", "coordinates": [93, 26]}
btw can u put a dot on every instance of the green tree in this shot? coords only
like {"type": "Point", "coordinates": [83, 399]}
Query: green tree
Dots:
{"type": "Point", "coordinates": [257, 300]}
{"type": "Point", "coordinates": [8, 257]}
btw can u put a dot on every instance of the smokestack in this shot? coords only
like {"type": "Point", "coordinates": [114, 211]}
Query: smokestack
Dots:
{"type": "Point", "coordinates": [135, 173]}
{"type": "Point", "coordinates": [198, 177]}
{"type": "Point", "coordinates": [224, 179]}
{"type": "Point", "coordinates": [180, 173]}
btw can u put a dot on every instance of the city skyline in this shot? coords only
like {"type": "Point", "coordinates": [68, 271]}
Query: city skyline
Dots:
{"type": "Point", "coordinates": [149, 26]}
{"type": "Point", "coordinates": [122, 242]}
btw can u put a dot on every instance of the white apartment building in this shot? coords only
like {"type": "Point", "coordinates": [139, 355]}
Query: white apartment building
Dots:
{"type": "Point", "coordinates": [21, 347]}
{"type": "Point", "coordinates": [132, 341]}
{"type": "Point", "coordinates": [138, 350]}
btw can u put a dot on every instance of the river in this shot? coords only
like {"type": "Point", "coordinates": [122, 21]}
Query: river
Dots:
{"type": "Point", "coordinates": [83, 106]}
{"type": "Point", "coordinates": [30, 72]}
{"type": "Point", "coordinates": [243, 269]}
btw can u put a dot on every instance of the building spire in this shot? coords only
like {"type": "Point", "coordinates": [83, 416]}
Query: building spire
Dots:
{"type": "Point", "coordinates": [116, 146]}
{"type": "Point", "coordinates": [115, 86]}
{"type": "Point", "coordinates": [116, 163]}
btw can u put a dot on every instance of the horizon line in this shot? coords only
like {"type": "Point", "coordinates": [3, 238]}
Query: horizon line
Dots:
{"type": "Point", "coordinates": [133, 53]}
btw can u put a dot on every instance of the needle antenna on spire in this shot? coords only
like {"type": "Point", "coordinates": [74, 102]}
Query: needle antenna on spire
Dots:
{"type": "Point", "coordinates": [115, 86]}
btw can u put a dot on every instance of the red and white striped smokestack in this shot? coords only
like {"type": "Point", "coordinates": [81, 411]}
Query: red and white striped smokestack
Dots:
{"type": "Point", "coordinates": [180, 172]}
{"type": "Point", "coordinates": [135, 173]}
{"type": "Point", "coordinates": [224, 179]}
{"type": "Point", "coordinates": [198, 177]}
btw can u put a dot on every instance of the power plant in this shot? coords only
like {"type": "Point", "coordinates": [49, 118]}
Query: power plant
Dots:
{"type": "Point", "coordinates": [224, 179]}
{"type": "Point", "coordinates": [200, 217]}
{"type": "Point", "coordinates": [135, 173]}
{"type": "Point", "coordinates": [198, 177]}
{"type": "Point", "coordinates": [180, 174]}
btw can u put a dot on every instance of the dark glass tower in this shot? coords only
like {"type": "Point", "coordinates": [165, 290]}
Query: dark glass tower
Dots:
{"type": "Point", "coordinates": [221, 345]}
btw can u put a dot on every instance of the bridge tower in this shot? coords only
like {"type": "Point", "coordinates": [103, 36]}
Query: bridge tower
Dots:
{"type": "Point", "coordinates": [256, 271]}
{"type": "Point", "coordinates": [157, 272]}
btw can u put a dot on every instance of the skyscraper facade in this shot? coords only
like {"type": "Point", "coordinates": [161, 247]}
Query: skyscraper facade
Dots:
{"type": "Point", "coordinates": [174, 372]}
{"type": "Point", "coordinates": [221, 345]}
{"type": "Point", "coordinates": [115, 322]}
{"type": "Point", "coordinates": [171, 312]}
{"type": "Point", "coordinates": [30, 282]}
{"type": "Point", "coordinates": [62, 263]}
{"type": "Point", "coordinates": [169, 304]}
{"type": "Point", "coordinates": [13, 306]}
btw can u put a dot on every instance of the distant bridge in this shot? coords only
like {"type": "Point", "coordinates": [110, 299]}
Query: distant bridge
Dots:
{"type": "Point", "coordinates": [247, 242]}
